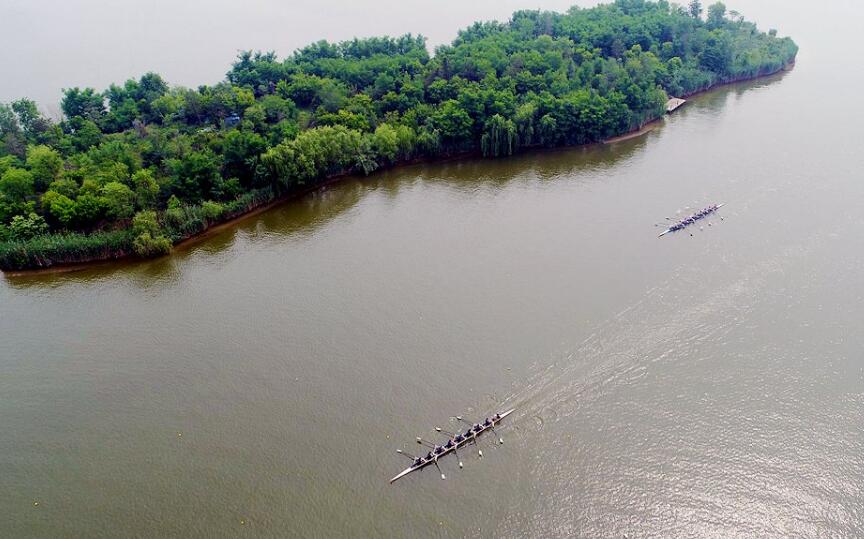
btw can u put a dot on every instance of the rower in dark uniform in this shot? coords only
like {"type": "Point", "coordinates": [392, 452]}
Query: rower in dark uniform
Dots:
{"type": "Point", "coordinates": [418, 461]}
{"type": "Point", "coordinates": [449, 444]}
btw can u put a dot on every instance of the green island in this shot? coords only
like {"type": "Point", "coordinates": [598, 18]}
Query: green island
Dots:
{"type": "Point", "coordinates": [143, 166]}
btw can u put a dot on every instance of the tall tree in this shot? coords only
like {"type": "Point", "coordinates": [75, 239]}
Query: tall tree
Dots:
{"type": "Point", "coordinates": [716, 15]}
{"type": "Point", "coordinates": [45, 164]}
{"type": "Point", "coordinates": [695, 9]}
{"type": "Point", "coordinates": [86, 103]}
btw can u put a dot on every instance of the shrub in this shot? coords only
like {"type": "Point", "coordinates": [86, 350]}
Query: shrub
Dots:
{"type": "Point", "coordinates": [147, 246]}
{"type": "Point", "coordinates": [185, 221]}
{"type": "Point", "coordinates": [17, 184]}
{"type": "Point", "coordinates": [212, 210]}
{"type": "Point", "coordinates": [24, 228]}
{"type": "Point", "coordinates": [149, 240]}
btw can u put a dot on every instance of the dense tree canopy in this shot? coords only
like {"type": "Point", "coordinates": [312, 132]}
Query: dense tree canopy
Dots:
{"type": "Point", "coordinates": [179, 158]}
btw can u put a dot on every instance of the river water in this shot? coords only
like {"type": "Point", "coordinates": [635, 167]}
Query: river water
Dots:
{"type": "Point", "coordinates": [258, 383]}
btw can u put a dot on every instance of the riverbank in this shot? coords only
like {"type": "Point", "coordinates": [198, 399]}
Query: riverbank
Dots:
{"type": "Point", "coordinates": [28, 265]}
{"type": "Point", "coordinates": [652, 124]}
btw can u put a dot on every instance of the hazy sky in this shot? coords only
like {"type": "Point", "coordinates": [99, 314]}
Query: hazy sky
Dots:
{"type": "Point", "coordinates": [48, 45]}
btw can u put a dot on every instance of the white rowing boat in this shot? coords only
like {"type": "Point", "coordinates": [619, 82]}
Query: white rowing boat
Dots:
{"type": "Point", "coordinates": [684, 223]}
{"type": "Point", "coordinates": [456, 445]}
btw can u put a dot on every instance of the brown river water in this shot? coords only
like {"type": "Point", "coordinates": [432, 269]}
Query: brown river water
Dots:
{"type": "Point", "coordinates": [258, 383]}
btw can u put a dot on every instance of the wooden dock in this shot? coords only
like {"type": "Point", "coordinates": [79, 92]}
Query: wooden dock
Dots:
{"type": "Point", "coordinates": [673, 104]}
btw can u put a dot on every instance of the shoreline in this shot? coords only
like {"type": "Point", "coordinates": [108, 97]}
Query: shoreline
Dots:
{"type": "Point", "coordinates": [216, 228]}
{"type": "Point", "coordinates": [652, 124]}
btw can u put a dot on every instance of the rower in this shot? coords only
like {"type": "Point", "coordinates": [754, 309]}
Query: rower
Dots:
{"type": "Point", "coordinates": [487, 422]}
{"type": "Point", "coordinates": [429, 456]}
{"type": "Point", "coordinates": [418, 461]}
{"type": "Point", "coordinates": [438, 449]}
{"type": "Point", "coordinates": [477, 427]}
{"type": "Point", "coordinates": [449, 444]}
{"type": "Point", "coordinates": [459, 438]}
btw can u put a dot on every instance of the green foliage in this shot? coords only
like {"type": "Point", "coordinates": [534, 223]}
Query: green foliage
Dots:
{"type": "Point", "coordinates": [86, 104]}
{"type": "Point", "coordinates": [83, 134]}
{"type": "Point", "coordinates": [453, 122]}
{"type": "Point", "coordinates": [146, 188]}
{"type": "Point", "coordinates": [8, 121]}
{"type": "Point", "coordinates": [9, 161]}
{"type": "Point", "coordinates": [500, 138]}
{"type": "Point", "coordinates": [89, 210]}
{"type": "Point", "coordinates": [318, 153]}
{"type": "Point", "coordinates": [64, 186]}
{"type": "Point", "coordinates": [716, 15]}
{"type": "Point", "coordinates": [258, 70]}
{"type": "Point", "coordinates": [60, 207]}
{"type": "Point", "coordinates": [695, 9]}
{"type": "Point", "coordinates": [135, 101]}
{"type": "Point", "coordinates": [385, 142]}
{"type": "Point", "coordinates": [23, 228]}
{"type": "Point", "coordinates": [45, 164]}
{"type": "Point", "coordinates": [277, 109]}
{"type": "Point", "coordinates": [240, 152]}
{"type": "Point", "coordinates": [185, 221]}
{"type": "Point", "coordinates": [119, 201]}
{"type": "Point", "coordinates": [198, 156]}
{"type": "Point", "coordinates": [194, 174]}
{"type": "Point", "coordinates": [148, 239]}
{"type": "Point", "coordinates": [212, 211]}
{"type": "Point", "coordinates": [51, 249]}
{"type": "Point", "coordinates": [37, 129]}
{"type": "Point", "coordinates": [17, 184]}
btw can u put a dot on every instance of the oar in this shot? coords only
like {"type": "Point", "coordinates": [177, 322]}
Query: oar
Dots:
{"type": "Point", "coordinates": [406, 454]}
{"type": "Point", "coordinates": [439, 469]}
{"type": "Point", "coordinates": [452, 436]}
{"type": "Point", "coordinates": [474, 439]}
{"type": "Point", "coordinates": [492, 428]}
{"type": "Point", "coordinates": [462, 419]}
{"type": "Point", "coordinates": [424, 442]}
{"type": "Point", "coordinates": [458, 457]}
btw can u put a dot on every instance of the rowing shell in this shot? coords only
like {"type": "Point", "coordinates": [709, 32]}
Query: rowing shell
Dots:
{"type": "Point", "coordinates": [435, 458]}
{"type": "Point", "coordinates": [669, 230]}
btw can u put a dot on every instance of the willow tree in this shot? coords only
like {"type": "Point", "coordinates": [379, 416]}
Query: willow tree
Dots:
{"type": "Point", "coordinates": [500, 138]}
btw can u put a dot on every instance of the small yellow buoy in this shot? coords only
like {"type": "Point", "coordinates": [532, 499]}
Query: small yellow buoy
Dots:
{"type": "Point", "coordinates": [35, 504]}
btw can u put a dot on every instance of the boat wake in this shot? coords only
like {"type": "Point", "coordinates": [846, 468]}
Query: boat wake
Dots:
{"type": "Point", "coordinates": [614, 416]}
